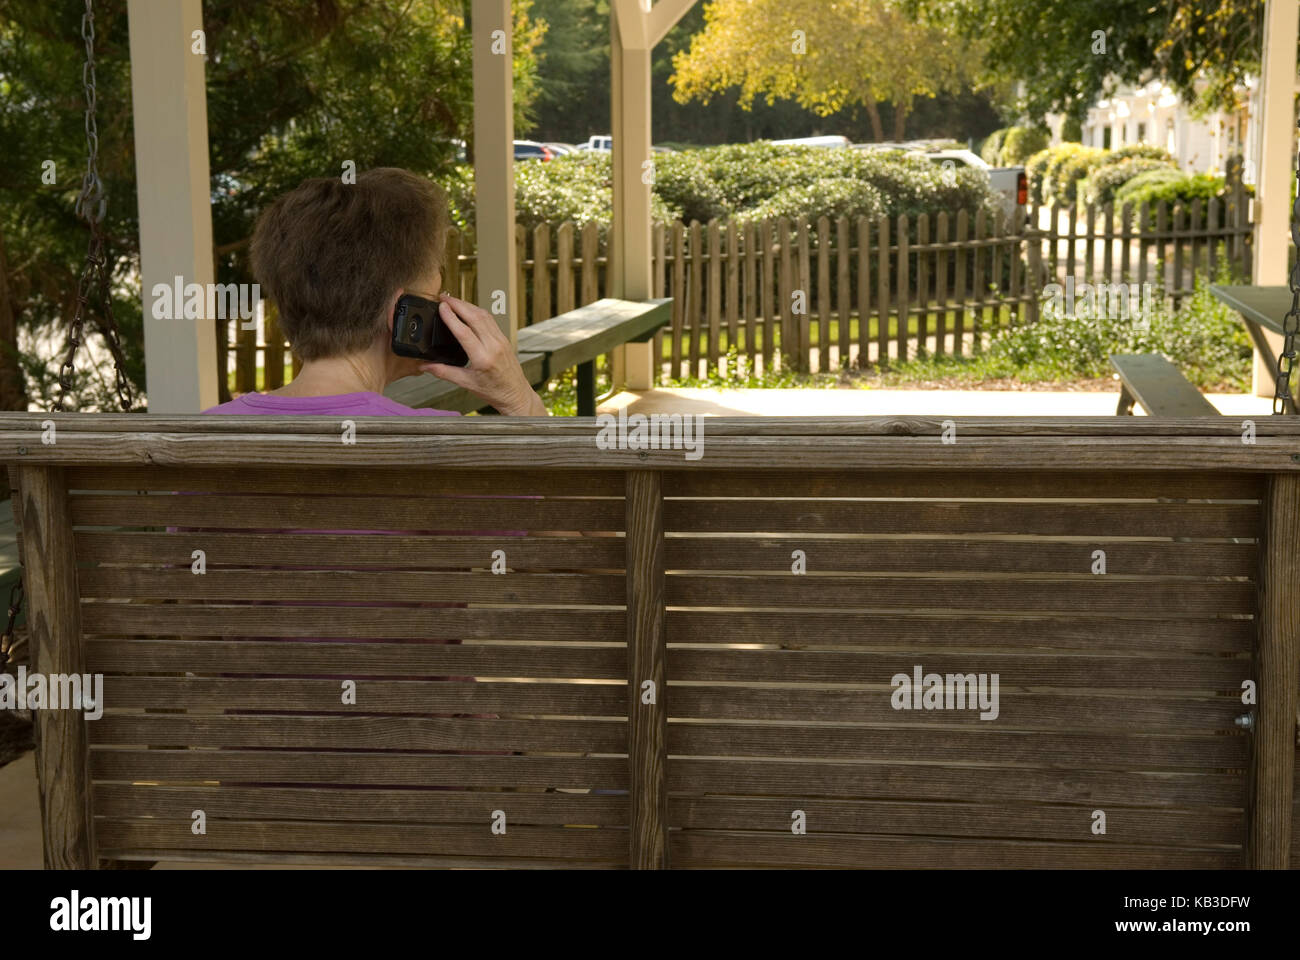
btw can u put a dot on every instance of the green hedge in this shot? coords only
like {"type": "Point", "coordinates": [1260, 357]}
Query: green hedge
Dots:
{"type": "Point", "coordinates": [991, 148]}
{"type": "Point", "coordinates": [1020, 144]}
{"type": "Point", "coordinates": [1101, 185]}
{"type": "Point", "coordinates": [1146, 190]}
{"type": "Point", "coordinates": [747, 181]}
{"type": "Point", "coordinates": [1012, 146]}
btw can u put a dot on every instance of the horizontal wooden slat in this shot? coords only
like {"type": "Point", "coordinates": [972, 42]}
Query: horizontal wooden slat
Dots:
{"type": "Point", "coordinates": [934, 555]}
{"type": "Point", "coordinates": [389, 587]}
{"type": "Point", "coordinates": [986, 745]}
{"type": "Point", "coordinates": [1181, 828]}
{"type": "Point", "coordinates": [354, 861]}
{"type": "Point", "coordinates": [127, 801]}
{"type": "Point", "coordinates": [373, 768]}
{"type": "Point", "coordinates": [901, 516]}
{"type": "Point", "coordinates": [361, 733]}
{"type": "Point", "coordinates": [1096, 447]}
{"type": "Point", "coordinates": [1138, 711]}
{"type": "Point", "coordinates": [559, 660]}
{"type": "Point", "coordinates": [694, 848]}
{"type": "Point", "coordinates": [451, 840]}
{"type": "Point", "coordinates": [236, 620]}
{"type": "Point", "coordinates": [348, 480]}
{"type": "Point", "coordinates": [1015, 669]}
{"type": "Point", "coordinates": [373, 696]}
{"type": "Point", "coordinates": [810, 628]}
{"type": "Point", "coordinates": [492, 515]}
{"type": "Point", "coordinates": [1097, 595]}
{"type": "Point", "coordinates": [1056, 484]}
{"type": "Point", "coordinates": [328, 427]}
{"type": "Point", "coordinates": [350, 550]}
{"type": "Point", "coordinates": [988, 784]}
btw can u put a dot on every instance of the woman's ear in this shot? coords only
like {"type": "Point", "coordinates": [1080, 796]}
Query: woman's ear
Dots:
{"type": "Point", "coordinates": [392, 307]}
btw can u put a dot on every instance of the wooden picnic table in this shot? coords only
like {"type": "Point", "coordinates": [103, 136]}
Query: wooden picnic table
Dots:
{"type": "Point", "coordinates": [1261, 308]}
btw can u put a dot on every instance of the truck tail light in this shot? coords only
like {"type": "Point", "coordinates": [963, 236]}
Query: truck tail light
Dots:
{"type": "Point", "coordinates": [1022, 189]}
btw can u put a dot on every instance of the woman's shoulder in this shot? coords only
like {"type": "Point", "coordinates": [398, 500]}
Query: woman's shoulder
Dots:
{"type": "Point", "coordinates": [361, 404]}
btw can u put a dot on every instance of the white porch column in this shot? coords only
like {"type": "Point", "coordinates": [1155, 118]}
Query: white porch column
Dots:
{"type": "Point", "coordinates": [170, 113]}
{"type": "Point", "coordinates": [494, 162]}
{"type": "Point", "coordinates": [1276, 131]}
{"type": "Point", "coordinates": [635, 28]}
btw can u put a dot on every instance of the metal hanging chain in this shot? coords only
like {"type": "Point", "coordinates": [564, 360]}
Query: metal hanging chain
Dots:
{"type": "Point", "coordinates": [92, 204]}
{"type": "Point", "coordinates": [1282, 398]}
{"type": "Point", "coordinates": [12, 651]}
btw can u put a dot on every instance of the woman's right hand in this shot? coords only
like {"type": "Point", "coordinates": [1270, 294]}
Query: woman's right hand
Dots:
{"type": "Point", "coordinates": [493, 372]}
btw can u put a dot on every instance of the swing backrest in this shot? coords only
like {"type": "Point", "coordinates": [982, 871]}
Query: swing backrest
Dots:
{"type": "Point", "coordinates": [824, 642]}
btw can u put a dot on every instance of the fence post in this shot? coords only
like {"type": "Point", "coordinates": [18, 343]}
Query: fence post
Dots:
{"type": "Point", "coordinates": [903, 288]}
{"type": "Point", "coordinates": [647, 671]}
{"type": "Point", "coordinates": [54, 619]}
{"type": "Point", "coordinates": [1277, 672]}
{"type": "Point", "coordinates": [1034, 245]}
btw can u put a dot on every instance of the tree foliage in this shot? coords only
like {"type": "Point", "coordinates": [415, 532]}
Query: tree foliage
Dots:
{"type": "Point", "coordinates": [1065, 54]}
{"type": "Point", "coordinates": [824, 56]}
{"type": "Point", "coordinates": [294, 89]}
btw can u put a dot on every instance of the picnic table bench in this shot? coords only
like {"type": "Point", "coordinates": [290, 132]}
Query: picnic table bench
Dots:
{"type": "Point", "coordinates": [1154, 382]}
{"type": "Point", "coordinates": [546, 349]}
{"type": "Point", "coordinates": [1261, 308]}
{"type": "Point", "coordinates": [775, 656]}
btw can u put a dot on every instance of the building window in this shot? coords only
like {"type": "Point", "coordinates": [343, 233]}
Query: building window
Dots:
{"type": "Point", "coordinates": [1123, 133]}
{"type": "Point", "coordinates": [1105, 137]}
{"type": "Point", "coordinates": [1142, 133]}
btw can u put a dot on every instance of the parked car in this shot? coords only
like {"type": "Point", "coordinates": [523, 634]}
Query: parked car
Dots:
{"type": "Point", "coordinates": [1010, 182]}
{"type": "Point", "coordinates": [814, 142]}
{"type": "Point", "coordinates": [532, 150]}
{"type": "Point", "coordinates": [605, 142]}
{"type": "Point", "coordinates": [560, 149]}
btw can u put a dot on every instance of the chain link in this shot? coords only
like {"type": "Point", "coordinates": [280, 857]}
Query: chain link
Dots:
{"type": "Point", "coordinates": [13, 651]}
{"type": "Point", "coordinates": [1283, 402]}
{"type": "Point", "coordinates": [96, 273]}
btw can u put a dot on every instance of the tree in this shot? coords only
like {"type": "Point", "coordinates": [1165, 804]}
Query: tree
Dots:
{"type": "Point", "coordinates": [294, 88]}
{"type": "Point", "coordinates": [1066, 54]}
{"type": "Point", "coordinates": [825, 56]}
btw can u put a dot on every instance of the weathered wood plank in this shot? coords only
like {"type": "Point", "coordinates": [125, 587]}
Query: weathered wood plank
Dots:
{"type": "Point", "coordinates": [422, 697]}
{"type": "Point", "coordinates": [552, 660]}
{"type": "Point", "coordinates": [131, 801]}
{"type": "Point", "coordinates": [647, 675]}
{"type": "Point", "coordinates": [53, 621]}
{"type": "Point", "coordinates": [805, 629]}
{"type": "Point", "coordinates": [694, 848]}
{"type": "Point", "coordinates": [1043, 518]}
{"type": "Point", "coordinates": [1277, 657]}
{"type": "Point", "coordinates": [1121, 712]}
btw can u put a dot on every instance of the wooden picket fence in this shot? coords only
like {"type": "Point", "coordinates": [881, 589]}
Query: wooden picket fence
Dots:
{"type": "Point", "coordinates": [820, 295]}
{"type": "Point", "coordinates": [1105, 245]}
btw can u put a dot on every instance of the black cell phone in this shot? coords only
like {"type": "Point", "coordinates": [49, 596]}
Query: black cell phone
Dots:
{"type": "Point", "coordinates": [418, 331]}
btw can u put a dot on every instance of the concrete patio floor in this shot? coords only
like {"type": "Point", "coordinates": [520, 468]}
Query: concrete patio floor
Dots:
{"type": "Point", "coordinates": [879, 403]}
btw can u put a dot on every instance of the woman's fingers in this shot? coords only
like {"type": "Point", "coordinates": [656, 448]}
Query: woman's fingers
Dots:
{"type": "Point", "coordinates": [466, 335]}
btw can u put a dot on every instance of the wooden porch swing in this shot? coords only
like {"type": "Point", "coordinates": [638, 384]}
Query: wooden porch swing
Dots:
{"type": "Point", "coordinates": [707, 675]}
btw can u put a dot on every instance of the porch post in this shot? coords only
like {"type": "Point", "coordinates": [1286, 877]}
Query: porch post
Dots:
{"type": "Point", "coordinates": [170, 115]}
{"type": "Point", "coordinates": [1276, 131]}
{"type": "Point", "coordinates": [494, 162]}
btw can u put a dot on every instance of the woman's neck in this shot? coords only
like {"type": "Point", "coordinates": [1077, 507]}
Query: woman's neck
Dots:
{"type": "Point", "coordinates": [330, 376]}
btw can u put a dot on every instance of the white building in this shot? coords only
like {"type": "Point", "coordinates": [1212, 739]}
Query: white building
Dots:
{"type": "Point", "coordinates": [1155, 115]}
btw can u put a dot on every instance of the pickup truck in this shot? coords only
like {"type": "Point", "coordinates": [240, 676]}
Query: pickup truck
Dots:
{"type": "Point", "coordinates": [1010, 182]}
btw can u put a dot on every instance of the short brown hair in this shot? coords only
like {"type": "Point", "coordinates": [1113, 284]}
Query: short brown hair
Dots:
{"type": "Point", "coordinates": [330, 254]}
